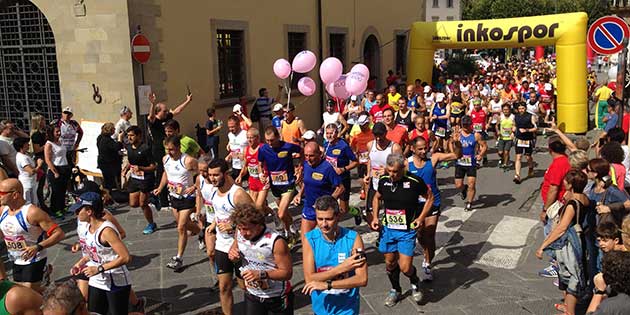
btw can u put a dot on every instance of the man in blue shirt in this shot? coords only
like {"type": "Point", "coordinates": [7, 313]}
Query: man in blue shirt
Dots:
{"type": "Point", "coordinates": [339, 154]}
{"type": "Point", "coordinates": [278, 116]}
{"type": "Point", "coordinates": [320, 179]}
{"type": "Point", "coordinates": [334, 263]}
{"type": "Point", "coordinates": [275, 165]}
{"type": "Point", "coordinates": [611, 118]}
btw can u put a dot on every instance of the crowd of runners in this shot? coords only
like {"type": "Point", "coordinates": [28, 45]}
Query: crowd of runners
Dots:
{"type": "Point", "coordinates": [396, 139]}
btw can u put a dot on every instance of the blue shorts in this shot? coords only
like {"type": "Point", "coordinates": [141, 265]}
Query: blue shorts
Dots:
{"type": "Point", "coordinates": [308, 213]}
{"type": "Point", "coordinates": [401, 241]}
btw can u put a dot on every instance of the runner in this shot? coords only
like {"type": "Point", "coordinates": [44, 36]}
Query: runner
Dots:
{"type": "Point", "coordinates": [334, 262]}
{"type": "Point", "coordinates": [105, 264]}
{"type": "Point", "coordinates": [379, 148]}
{"type": "Point", "coordinates": [425, 168]}
{"type": "Point", "coordinates": [467, 164]}
{"type": "Point", "coordinates": [395, 132]}
{"type": "Point", "coordinates": [458, 105]}
{"type": "Point", "coordinates": [292, 126]}
{"type": "Point", "coordinates": [224, 197]}
{"type": "Point", "coordinates": [505, 136]}
{"type": "Point", "coordinates": [376, 111]}
{"type": "Point", "coordinates": [320, 179]}
{"type": "Point", "coordinates": [495, 109]}
{"type": "Point", "coordinates": [440, 114]}
{"type": "Point", "coordinates": [405, 115]}
{"type": "Point", "coordinates": [399, 192]}
{"type": "Point", "coordinates": [205, 212]}
{"type": "Point", "coordinates": [358, 143]}
{"type": "Point", "coordinates": [237, 143]}
{"type": "Point", "coordinates": [141, 169]}
{"type": "Point", "coordinates": [27, 231]}
{"type": "Point", "coordinates": [266, 263]}
{"type": "Point", "coordinates": [369, 100]}
{"type": "Point", "coordinates": [179, 170]}
{"type": "Point", "coordinates": [250, 170]}
{"type": "Point", "coordinates": [414, 101]}
{"type": "Point", "coordinates": [339, 154]}
{"type": "Point", "coordinates": [524, 131]}
{"type": "Point", "coordinates": [330, 116]}
{"type": "Point", "coordinates": [17, 299]}
{"type": "Point", "coordinates": [278, 175]}
{"type": "Point", "coordinates": [188, 145]}
{"type": "Point", "coordinates": [479, 118]}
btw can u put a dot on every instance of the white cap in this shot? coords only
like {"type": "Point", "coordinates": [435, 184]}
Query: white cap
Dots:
{"type": "Point", "coordinates": [353, 98]}
{"type": "Point", "coordinates": [439, 97]}
{"type": "Point", "coordinates": [309, 135]}
{"type": "Point", "coordinates": [277, 107]}
{"type": "Point", "coordinates": [363, 119]}
{"type": "Point", "coordinates": [427, 88]}
{"type": "Point", "coordinates": [500, 86]}
{"type": "Point", "coordinates": [548, 87]}
{"type": "Point", "coordinates": [68, 109]}
{"type": "Point", "coordinates": [236, 108]}
{"type": "Point", "coordinates": [484, 92]}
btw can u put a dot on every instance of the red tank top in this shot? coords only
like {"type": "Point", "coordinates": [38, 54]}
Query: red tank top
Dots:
{"type": "Point", "coordinates": [478, 120]}
{"type": "Point", "coordinates": [415, 134]}
{"type": "Point", "coordinates": [251, 162]}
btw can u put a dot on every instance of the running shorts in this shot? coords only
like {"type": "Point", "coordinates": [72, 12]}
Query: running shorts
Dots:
{"type": "Point", "coordinates": [401, 241]}
{"type": "Point", "coordinates": [463, 171]}
{"type": "Point", "coordinates": [29, 273]}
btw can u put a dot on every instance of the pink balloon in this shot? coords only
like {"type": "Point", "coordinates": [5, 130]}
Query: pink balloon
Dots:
{"type": "Point", "coordinates": [306, 86]}
{"type": "Point", "coordinates": [339, 87]}
{"type": "Point", "coordinates": [330, 70]}
{"type": "Point", "coordinates": [282, 68]}
{"type": "Point", "coordinates": [330, 88]}
{"type": "Point", "coordinates": [361, 68]}
{"type": "Point", "coordinates": [304, 61]}
{"type": "Point", "coordinates": [356, 83]}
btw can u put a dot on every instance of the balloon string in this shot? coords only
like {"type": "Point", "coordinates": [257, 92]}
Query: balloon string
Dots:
{"type": "Point", "coordinates": [289, 89]}
{"type": "Point", "coordinates": [304, 101]}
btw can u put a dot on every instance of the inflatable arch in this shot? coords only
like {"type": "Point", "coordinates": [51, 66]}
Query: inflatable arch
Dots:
{"type": "Point", "coordinates": [566, 31]}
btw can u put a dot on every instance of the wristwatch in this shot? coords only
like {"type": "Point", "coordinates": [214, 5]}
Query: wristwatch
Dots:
{"type": "Point", "coordinates": [101, 269]}
{"type": "Point", "coordinates": [598, 291]}
{"type": "Point", "coordinates": [329, 283]}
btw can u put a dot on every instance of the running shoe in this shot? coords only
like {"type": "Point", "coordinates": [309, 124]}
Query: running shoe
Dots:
{"type": "Point", "coordinates": [140, 305]}
{"type": "Point", "coordinates": [530, 173]}
{"type": "Point", "coordinates": [292, 240]}
{"type": "Point", "coordinates": [464, 192]}
{"type": "Point", "coordinates": [416, 293]}
{"type": "Point", "coordinates": [468, 207]}
{"type": "Point", "coordinates": [201, 244]}
{"type": "Point", "coordinates": [556, 282]}
{"type": "Point", "coordinates": [152, 207]}
{"type": "Point", "coordinates": [151, 227]}
{"type": "Point", "coordinates": [550, 272]}
{"type": "Point", "coordinates": [277, 222]}
{"type": "Point", "coordinates": [427, 274]}
{"type": "Point", "coordinates": [47, 272]}
{"type": "Point", "coordinates": [362, 196]}
{"type": "Point", "coordinates": [392, 298]}
{"type": "Point", "coordinates": [175, 263]}
{"type": "Point", "coordinates": [58, 215]}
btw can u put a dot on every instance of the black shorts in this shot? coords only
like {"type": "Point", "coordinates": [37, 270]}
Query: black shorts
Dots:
{"type": "Point", "coordinates": [138, 185]}
{"type": "Point", "coordinates": [346, 182]}
{"type": "Point", "coordinates": [223, 264]}
{"type": "Point", "coordinates": [362, 170]}
{"type": "Point", "coordinates": [235, 172]}
{"type": "Point", "coordinates": [263, 306]}
{"type": "Point", "coordinates": [463, 171]}
{"type": "Point", "coordinates": [435, 210]}
{"type": "Point", "coordinates": [279, 191]}
{"type": "Point", "coordinates": [29, 273]}
{"type": "Point", "coordinates": [460, 115]}
{"type": "Point", "coordinates": [370, 195]}
{"type": "Point", "coordinates": [524, 150]}
{"type": "Point", "coordinates": [183, 203]}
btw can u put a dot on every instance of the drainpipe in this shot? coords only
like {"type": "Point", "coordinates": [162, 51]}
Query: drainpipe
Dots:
{"type": "Point", "coordinates": [321, 56]}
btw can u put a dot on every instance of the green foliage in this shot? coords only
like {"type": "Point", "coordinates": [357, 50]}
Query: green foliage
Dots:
{"type": "Point", "coordinates": [461, 65]}
{"type": "Point", "coordinates": [497, 9]}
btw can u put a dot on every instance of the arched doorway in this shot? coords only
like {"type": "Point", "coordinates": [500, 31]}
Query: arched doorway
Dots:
{"type": "Point", "coordinates": [29, 80]}
{"type": "Point", "coordinates": [372, 58]}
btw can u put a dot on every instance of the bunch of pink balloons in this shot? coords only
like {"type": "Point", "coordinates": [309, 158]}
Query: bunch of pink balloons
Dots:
{"type": "Point", "coordinates": [303, 62]}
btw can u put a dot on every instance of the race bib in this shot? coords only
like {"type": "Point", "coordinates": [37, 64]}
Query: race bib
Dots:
{"type": "Point", "coordinates": [477, 127]}
{"type": "Point", "coordinates": [506, 132]}
{"type": "Point", "coordinates": [364, 156]}
{"type": "Point", "coordinates": [377, 172]}
{"type": "Point", "coordinates": [396, 219]}
{"type": "Point", "coordinates": [253, 171]}
{"type": "Point", "coordinates": [465, 160]}
{"type": "Point", "coordinates": [91, 251]}
{"type": "Point", "coordinates": [16, 243]}
{"type": "Point", "coordinates": [522, 143]}
{"type": "Point", "coordinates": [209, 208]}
{"type": "Point", "coordinates": [441, 132]}
{"type": "Point", "coordinates": [175, 188]}
{"type": "Point", "coordinates": [137, 174]}
{"type": "Point", "coordinates": [332, 160]}
{"type": "Point", "coordinates": [279, 178]}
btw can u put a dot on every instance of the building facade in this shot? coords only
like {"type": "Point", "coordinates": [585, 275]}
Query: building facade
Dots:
{"type": "Point", "coordinates": [221, 50]}
{"type": "Point", "coordinates": [443, 10]}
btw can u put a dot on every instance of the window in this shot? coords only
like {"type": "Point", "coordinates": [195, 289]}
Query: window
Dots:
{"type": "Point", "coordinates": [338, 46]}
{"type": "Point", "coordinates": [449, 3]}
{"type": "Point", "coordinates": [449, 18]}
{"type": "Point", "coordinates": [436, 3]}
{"type": "Point", "coordinates": [296, 43]}
{"type": "Point", "coordinates": [231, 51]}
{"type": "Point", "coordinates": [401, 54]}
{"type": "Point", "coordinates": [435, 18]}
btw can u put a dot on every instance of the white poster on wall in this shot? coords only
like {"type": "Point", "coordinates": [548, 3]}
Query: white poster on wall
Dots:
{"type": "Point", "coordinates": [143, 99]}
{"type": "Point", "coordinates": [87, 159]}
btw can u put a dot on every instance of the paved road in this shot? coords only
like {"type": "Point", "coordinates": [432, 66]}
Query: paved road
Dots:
{"type": "Point", "coordinates": [485, 262]}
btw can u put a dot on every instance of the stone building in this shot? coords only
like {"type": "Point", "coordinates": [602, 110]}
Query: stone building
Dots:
{"type": "Point", "coordinates": [54, 53]}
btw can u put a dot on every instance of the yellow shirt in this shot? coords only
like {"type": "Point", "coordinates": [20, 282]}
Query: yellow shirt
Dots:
{"type": "Point", "coordinates": [392, 100]}
{"type": "Point", "coordinates": [603, 93]}
{"type": "Point", "coordinates": [554, 82]}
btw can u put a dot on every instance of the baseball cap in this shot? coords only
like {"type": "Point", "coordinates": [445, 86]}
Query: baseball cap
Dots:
{"type": "Point", "coordinates": [67, 109]}
{"type": "Point", "coordinates": [379, 129]}
{"type": "Point", "coordinates": [330, 102]}
{"type": "Point", "coordinates": [124, 110]}
{"type": "Point", "coordinates": [548, 87]}
{"type": "Point", "coordinates": [88, 199]}
{"type": "Point", "coordinates": [427, 89]}
{"type": "Point", "coordinates": [289, 108]}
{"type": "Point", "coordinates": [363, 119]}
{"type": "Point", "coordinates": [500, 86]}
{"type": "Point", "coordinates": [353, 98]}
{"type": "Point", "coordinates": [237, 108]}
{"type": "Point", "coordinates": [449, 81]}
{"type": "Point", "coordinates": [277, 107]}
{"type": "Point", "coordinates": [439, 97]}
{"type": "Point", "coordinates": [309, 135]}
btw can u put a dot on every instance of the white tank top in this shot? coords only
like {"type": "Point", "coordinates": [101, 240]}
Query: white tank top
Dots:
{"type": "Point", "coordinates": [99, 254]}
{"type": "Point", "coordinates": [532, 108]}
{"type": "Point", "coordinates": [68, 134]}
{"type": "Point", "coordinates": [206, 196]}
{"type": "Point", "coordinates": [58, 154]}
{"type": "Point", "coordinates": [223, 208]}
{"type": "Point", "coordinates": [258, 255]}
{"type": "Point", "coordinates": [20, 234]}
{"type": "Point", "coordinates": [179, 178]}
{"type": "Point", "coordinates": [331, 118]}
{"type": "Point", "coordinates": [378, 159]}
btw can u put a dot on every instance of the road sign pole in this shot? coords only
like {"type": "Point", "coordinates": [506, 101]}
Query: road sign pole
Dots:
{"type": "Point", "coordinates": [621, 81]}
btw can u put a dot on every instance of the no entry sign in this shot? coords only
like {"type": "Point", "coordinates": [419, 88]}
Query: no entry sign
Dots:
{"type": "Point", "coordinates": [606, 35]}
{"type": "Point", "coordinates": [140, 48]}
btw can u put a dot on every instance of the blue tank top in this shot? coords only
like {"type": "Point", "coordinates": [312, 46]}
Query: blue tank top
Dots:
{"type": "Point", "coordinates": [429, 176]}
{"type": "Point", "coordinates": [368, 104]}
{"type": "Point", "coordinates": [413, 102]}
{"type": "Point", "coordinates": [468, 150]}
{"type": "Point", "coordinates": [327, 255]}
{"type": "Point", "coordinates": [437, 111]}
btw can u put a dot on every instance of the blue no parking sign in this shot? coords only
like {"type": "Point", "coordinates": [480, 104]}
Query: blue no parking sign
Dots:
{"type": "Point", "coordinates": [606, 35]}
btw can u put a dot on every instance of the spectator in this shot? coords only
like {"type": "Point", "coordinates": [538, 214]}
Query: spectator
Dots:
{"type": "Point", "coordinates": [612, 288]}
{"type": "Point", "coordinates": [608, 236]}
{"type": "Point", "coordinates": [613, 153]}
{"type": "Point", "coordinates": [27, 169]}
{"type": "Point", "coordinates": [391, 78]}
{"type": "Point", "coordinates": [619, 136]}
{"type": "Point", "coordinates": [7, 152]}
{"type": "Point", "coordinates": [122, 125]}
{"type": "Point", "coordinates": [38, 140]}
{"type": "Point", "coordinates": [213, 126]}
{"type": "Point", "coordinates": [278, 117]}
{"type": "Point", "coordinates": [71, 134]}
{"type": "Point", "coordinates": [611, 118]}
{"type": "Point", "coordinates": [64, 298]}
{"type": "Point", "coordinates": [188, 145]}
{"type": "Point", "coordinates": [625, 122]}
{"type": "Point", "coordinates": [263, 105]}
{"type": "Point", "coordinates": [109, 158]}
{"type": "Point", "coordinates": [58, 170]}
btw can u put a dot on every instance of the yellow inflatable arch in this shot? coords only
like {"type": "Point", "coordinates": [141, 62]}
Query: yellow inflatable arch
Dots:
{"type": "Point", "coordinates": [566, 31]}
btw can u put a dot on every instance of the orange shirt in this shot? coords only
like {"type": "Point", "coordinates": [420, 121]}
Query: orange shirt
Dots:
{"type": "Point", "coordinates": [398, 135]}
{"type": "Point", "coordinates": [291, 131]}
{"type": "Point", "coordinates": [359, 145]}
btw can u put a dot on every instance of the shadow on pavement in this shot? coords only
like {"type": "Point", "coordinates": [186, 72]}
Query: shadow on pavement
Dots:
{"type": "Point", "coordinates": [138, 262]}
